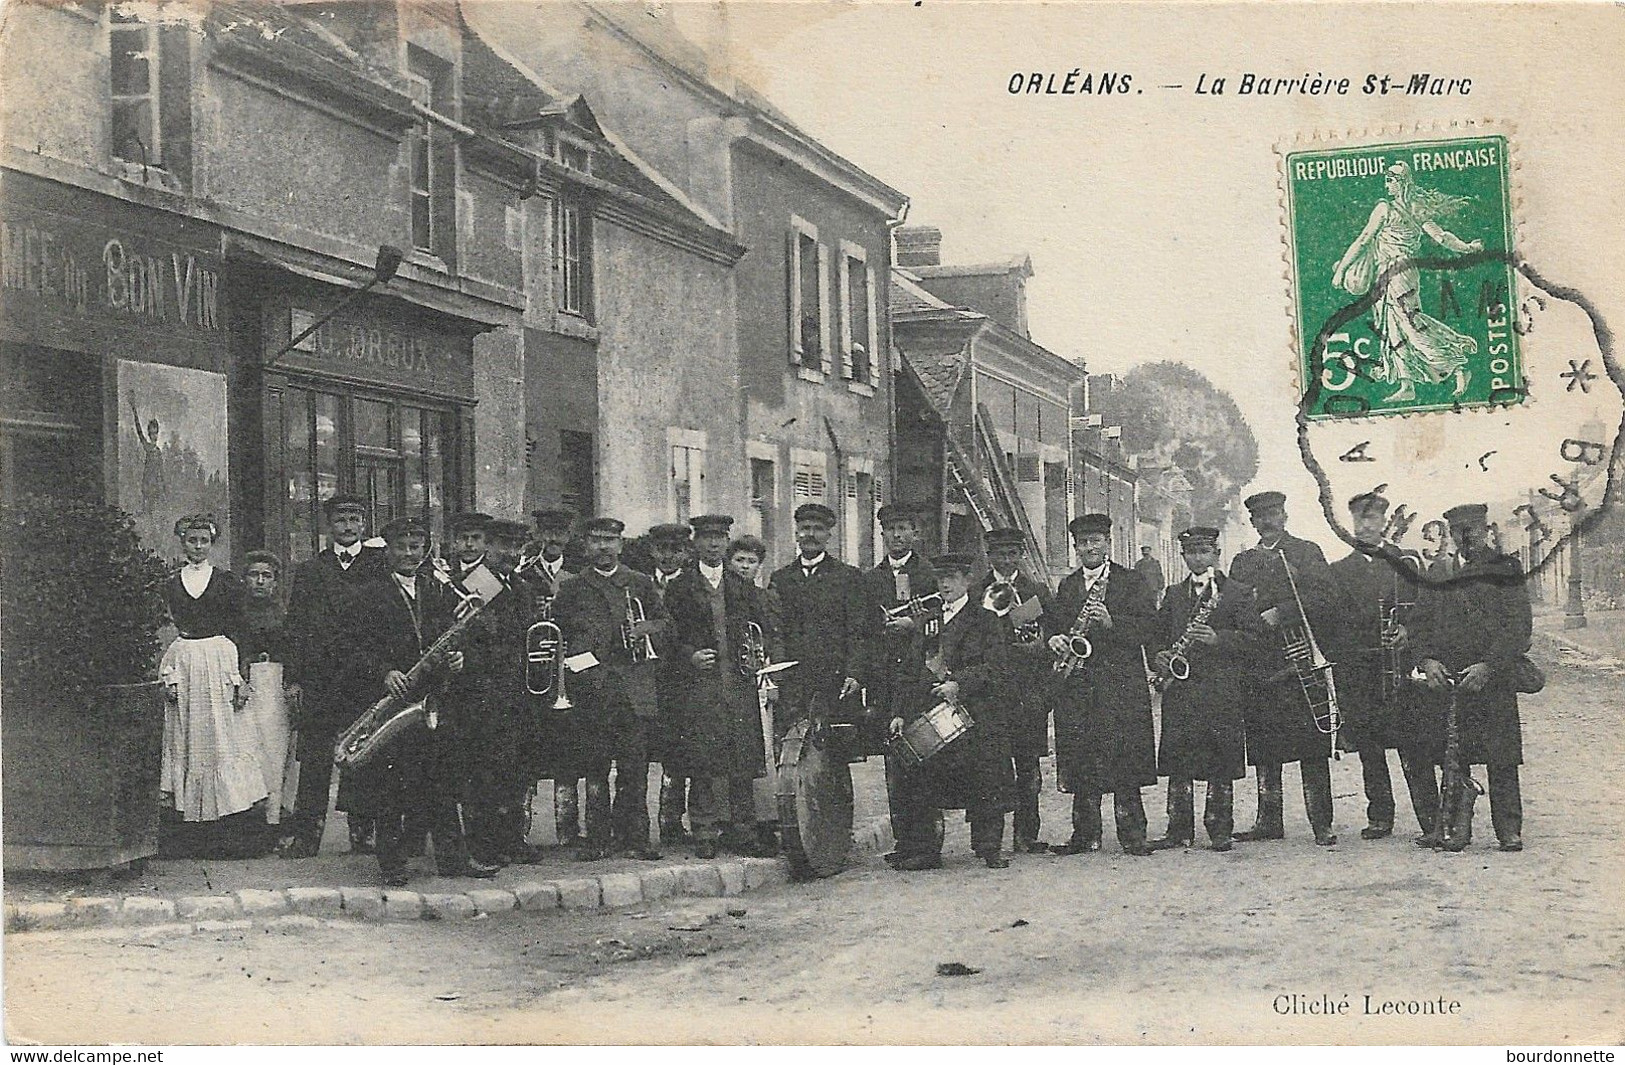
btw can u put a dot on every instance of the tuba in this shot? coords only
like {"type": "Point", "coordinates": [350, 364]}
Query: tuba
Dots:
{"type": "Point", "coordinates": [1311, 668]}
{"type": "Point", "coordinates": [1078, 648]}
{"type": "Point", "coordinates": [544, 663]}
{"type": "Point", "coordinates": [641, 647]}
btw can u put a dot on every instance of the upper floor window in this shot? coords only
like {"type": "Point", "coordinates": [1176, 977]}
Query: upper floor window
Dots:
{"type": "Point", "coordinates": [808, 283]}
{"type": "Point", "coordinates": [575, 156]}
{"type": "Point", "coordinates": [572, 256]}
{"type": "Point", "coordinates": [687, 474]}
{"type": "Point", "coordinates": [149, 81]}
{"type": "Point", "coordinates": [433, 159]}
{"type": "Point", "coordinates": [859, 331]}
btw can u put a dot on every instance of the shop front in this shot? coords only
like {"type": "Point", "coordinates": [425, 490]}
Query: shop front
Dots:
{"type": "Point", "coordinates": [376, 402]}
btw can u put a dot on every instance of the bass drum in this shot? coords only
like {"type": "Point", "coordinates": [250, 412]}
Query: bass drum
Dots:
{"type": "Point", "coordinates": [815, 802]}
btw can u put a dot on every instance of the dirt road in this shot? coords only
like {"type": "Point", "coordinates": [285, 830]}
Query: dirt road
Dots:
{"type": "Point", "coordinates": [1480, 947]}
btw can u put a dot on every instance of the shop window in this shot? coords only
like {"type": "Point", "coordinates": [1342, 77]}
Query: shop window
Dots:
{"type": "Point", "coordinates": [149, 83]}
{"type": "Point", "coordinates": [432, 158]}
{"type": "Point", "coordinates": [858, 335]}
{"type": "Point", "coordinates": [808, 261]}
{"type": "Point", "coordinates": [50, 423]}
{"type": "Point", "coordinates": [572, 256]}
{"type": "Point", "coordinates": [576, 471]}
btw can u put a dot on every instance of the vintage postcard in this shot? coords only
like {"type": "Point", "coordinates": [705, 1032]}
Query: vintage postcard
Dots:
{"type": "Point", "coordinates": [632, 522]}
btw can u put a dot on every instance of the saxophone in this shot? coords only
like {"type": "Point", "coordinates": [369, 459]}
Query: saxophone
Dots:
{"type": "Point", "coordinates": [1078, 648]}
{"type": "Point", "coordinates": [1179, 667]}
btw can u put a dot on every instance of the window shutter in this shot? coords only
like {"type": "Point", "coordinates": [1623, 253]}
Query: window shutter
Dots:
{"type": "Point", "coordinates": [844, 280]}
{"type": "Point", "coordinates": [873, 338]}
{"type": "Point", "coordinates": [825, 340]}
{"type": "Point", "coordinates": [174, 100]}
{"type": "Point", "coordinates": [792, 270]}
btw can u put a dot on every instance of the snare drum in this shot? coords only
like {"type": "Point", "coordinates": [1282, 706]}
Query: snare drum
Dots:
{"type": "Point", "coordinates": [928, 734]}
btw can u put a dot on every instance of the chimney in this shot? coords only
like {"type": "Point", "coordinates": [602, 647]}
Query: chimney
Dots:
{"type": "Point", "coordinates": [919, 246]}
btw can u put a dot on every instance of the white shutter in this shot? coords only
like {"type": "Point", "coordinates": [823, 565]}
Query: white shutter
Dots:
{"type": "Point", "coordinates": [874, 327]}
{"type": "Point", "coordinates": [825, 340]}
{"type": "Point", "coordinates": [843, 278]}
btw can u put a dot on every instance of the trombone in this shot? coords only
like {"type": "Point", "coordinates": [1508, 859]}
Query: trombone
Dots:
{"type": "Point", "coordinates": [1310, 666]}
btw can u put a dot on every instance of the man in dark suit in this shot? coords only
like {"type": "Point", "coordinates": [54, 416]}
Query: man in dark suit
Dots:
{"type": "Point", "coordinates": [1012, 594]}
{"type": "Point", "coordinates": [964, 666]}
{"type": "Point", "coordinates": [614, 692]}
{"type": "Point", "coordinates": [1373, 585]}
{"type": "Point", "coordinates": [1201, 715]}
{"type": "Point", "coordinates": [1104, 739]}
{"type": "Point", "coordinates": [828, 623]}
{"type": "Point", "coordinates": [1150, 571]}
{"type": "Point", "coordinates": [671, 551]}
{"type": "Point", "coordinates": [1476, 627]}
{"type": "Point", "coordinates": [718, 745]}
{"type": "Point", "coordinates": [557, 755]}
{"type": "Point", "coordinates": [1281, 726]}
{"type": "Point", "coordinates": [412, 780]}
{"type": "Point", "coordinates": [321, 628]}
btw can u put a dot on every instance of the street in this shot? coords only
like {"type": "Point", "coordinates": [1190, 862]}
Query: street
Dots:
{"type": "Point", "coordinates": [1271, 943]}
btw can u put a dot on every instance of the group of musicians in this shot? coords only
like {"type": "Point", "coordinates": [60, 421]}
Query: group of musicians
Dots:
{"type": "Point", "coordinates": [951, 673]}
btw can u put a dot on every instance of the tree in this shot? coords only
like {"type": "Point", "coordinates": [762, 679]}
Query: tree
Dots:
{"type": "Point", "coordinates": [1173, 415]}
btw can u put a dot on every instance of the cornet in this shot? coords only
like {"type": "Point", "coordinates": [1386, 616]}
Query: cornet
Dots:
{"type": "Point", "coordinates": [641, 647]}
{"type": "Point", "coordinates": [918, 607]}
{"type": "Point", "coordinates": [544, 663]}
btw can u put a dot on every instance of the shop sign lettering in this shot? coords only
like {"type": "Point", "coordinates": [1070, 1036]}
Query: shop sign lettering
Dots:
{"type": "Point", "coordinates": [120, 277]}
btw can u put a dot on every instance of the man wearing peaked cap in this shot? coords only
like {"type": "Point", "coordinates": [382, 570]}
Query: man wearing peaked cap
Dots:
{"type": "Point", "coordinates": [1476, 628]}
{"type": "Point", "coordinates": [1104, 737]}
{"type": "Point", "coordinates": [1009, 591]}
{"type": "Point", "coordinates": [557, 749]}
{"type": "Point", "coordinates": [815, 512]}
{"type": "Point", "coordinates": [602, 524]}
{"type": "Point", "coordinates": [553, 517]}
{"type": "Point", "coordinates": [319, 627]}
{"type": "Point", "coordinates": [897, 654]}
{"type": "Point", "coordinates": [711, 523]}
{"type": "Point", "coordinates": [1376, 587]}
{"type": "Point", "coordinates": [669, 545]}
{"type": "Point", "coordinates": [467, 533]}
{"type": "Point", "coordinates": [1293, 590]}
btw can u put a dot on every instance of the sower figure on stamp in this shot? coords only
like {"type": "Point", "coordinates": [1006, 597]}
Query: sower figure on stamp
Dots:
{"type": "Point", "coordinates": [898, 652]}
{"type": "Point", "coordinates": [1021, 601]}
{"type": "Point", "coordinates": [557, 753]}
{"type": "Point", "coordinates": [972, 773]}
{"type": "Point", "coordinates": [1211, 623]}
{"type": "Point", "coordinates": [1476, 629]}
{"type": "Point", "coordinates": [616, 615]}
{"type": "Point", "coordinates": [322, 628]}
{"type": "Point", "coordinates": [827, 618]}
{"type": "Point", "coordinates": [1104, 738]}
{"type": "Point", "coordinates": [413, 780]}
{"type": "Point", "coordinates": [718, 746]}
{"type": "Point", "coordinates": [1377, 589]}
{"type": "Point", "coordinates": [672, 552]}
{"type": "Point", "coordinates": [1283, 571]}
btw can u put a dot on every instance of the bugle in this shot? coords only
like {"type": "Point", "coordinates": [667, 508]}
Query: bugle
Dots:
{"type": "Point", "coordinates": [544, 663]}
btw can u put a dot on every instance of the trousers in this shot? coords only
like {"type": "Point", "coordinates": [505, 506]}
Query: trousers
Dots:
{"type": "Point", "coordinates": [1127, 808]}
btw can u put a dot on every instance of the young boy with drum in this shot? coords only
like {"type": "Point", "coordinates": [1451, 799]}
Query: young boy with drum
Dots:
{"type": "Point", "coordinates": [933, 765]}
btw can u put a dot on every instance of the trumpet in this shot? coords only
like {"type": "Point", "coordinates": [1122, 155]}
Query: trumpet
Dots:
{"type": "Point", "coordinates": [544, 663]}
{"type": "Point", "coordinates": [1392, 643]}
{"type": "Point", "coordinates": [918, 607]}
{"type": "Point", "coordinates": [1078, 648]}
{"type": "Point", "coordinates": [641, 647]}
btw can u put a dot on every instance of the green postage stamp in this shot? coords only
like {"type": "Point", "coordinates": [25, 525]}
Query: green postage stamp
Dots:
{"type": "Point", "coordinates": [1402, 276]}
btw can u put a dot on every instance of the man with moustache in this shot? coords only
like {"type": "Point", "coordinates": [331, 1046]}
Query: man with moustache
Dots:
{"type": "Point", "coordinates": [1028, 663]}
{"type": "Point", "coordinates": [616, 696]}
{"type": "Point", "coordinates": [671, 549]}
{"type": "Point", "coordinates": [557, 741]}
{"type": "Point", "coordinates": [1280, 725]}
{"type": "Point", "coordinates": [322, 628]}
{"type": "Point", "coordinates": [1104, 738]}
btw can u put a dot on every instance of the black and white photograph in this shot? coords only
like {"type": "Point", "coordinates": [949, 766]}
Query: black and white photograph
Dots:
{"type": "Point", "coordinates": [780, 523]}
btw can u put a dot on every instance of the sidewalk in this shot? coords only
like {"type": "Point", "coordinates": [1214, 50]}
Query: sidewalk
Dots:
{"type": "Point", "coordinates": [192, 895]}
{"type": "Point", "coordinates": [1602, 641]}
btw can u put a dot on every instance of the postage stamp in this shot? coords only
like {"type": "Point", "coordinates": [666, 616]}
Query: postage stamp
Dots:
{"type": "Point", "coordinates": [1402, 273]}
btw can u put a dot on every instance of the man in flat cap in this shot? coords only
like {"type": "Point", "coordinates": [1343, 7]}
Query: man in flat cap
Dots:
{"type": "Point", "coordinates": [1281, 725]}
{"type": "Point", "coordinates": [717, 744]}
{"type": "Point", "coordinates": [1476, 628]}
{"type": "Point", "coordinates": [413, 779]}
{"type": "Point", "coordinates": [1212, 623]}
{"type": "Point", "coordinates": [964, 667]}
{"type": "Point", "coordinates": [1377, 587]}
{"type": "Point", "coordinates": [898, 651]}
{"type": "Point", "coordinates": [671, 551]}
{"type": "Point", "coordinates": [615, 698]}
{"type": "Point", "coordinates": [829, 622]}
{"type": "Point", "coordinates": [1104, 739]}
{"type": "Point", "coordinates": [1150, 571]}
{"type": "Point", "coordinates": [558, 754]}
{"type": "Point", "coordinates": [321, 628]}
{"type": "Point", "coordinates": [1014, 596]}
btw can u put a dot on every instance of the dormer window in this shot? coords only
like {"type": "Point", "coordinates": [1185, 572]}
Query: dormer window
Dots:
{"type": "Point", "coordinates": [575, 156]}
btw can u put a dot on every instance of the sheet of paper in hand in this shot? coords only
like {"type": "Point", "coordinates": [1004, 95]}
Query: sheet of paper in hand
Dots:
{"type": "Point", "coordinates": [1435, 364]}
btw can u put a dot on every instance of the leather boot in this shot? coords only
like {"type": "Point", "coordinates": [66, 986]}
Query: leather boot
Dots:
{"type": "Point", "coordinates": [1269, 822]}
{"type": "Point", "coordinates": [1181, 816]}
{"type": "Point", "coordinates": [567, 812]}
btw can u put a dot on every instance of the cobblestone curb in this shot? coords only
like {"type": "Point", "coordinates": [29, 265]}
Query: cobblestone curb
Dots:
{"type": "Point", "coordinates": [300, 907]}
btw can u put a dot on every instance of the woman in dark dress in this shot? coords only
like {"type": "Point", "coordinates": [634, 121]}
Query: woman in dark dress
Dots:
{"type": "Point", "coordinates": [269, 704]}
{"type": "Point", "coordinates": [210, 769]}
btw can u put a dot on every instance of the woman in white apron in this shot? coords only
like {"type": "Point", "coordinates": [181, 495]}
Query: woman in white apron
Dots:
{"type": "Point", "coordinates": [263, 646]}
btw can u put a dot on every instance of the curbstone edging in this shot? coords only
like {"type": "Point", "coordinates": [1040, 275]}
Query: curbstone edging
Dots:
{"type": "Point", "coordinates": [403, 906]}
{"type": "Point", "coordinates": [91, 911]}
{"type": "Point", "coordinates": [362, 902]}
{"type": "Point", "coordinates": [765, 872]}
{"type": "Point", "coordinates": [313, 900]}
{"type": "Point", "coordinates": [620, 889]}
{"type": "Point", "coordinates": [140, 909]}
{"type": "Point", "coordinates": [206, 907]}
{"type": "Point", "coordinates": [294, 920]}
{"type": "Point", "coordinates": [37, 917]}
{"type": "Point", "coordinates": [256, 902]}
{"type": "Point", "coordinates": [580, 894]}
{"type": "Point", "coordinates": [732, 875]}
{"type": "Point", "coordinates": [493, 900]}
{"type": "Point", "coordinates": [704, 881]}
{"type": "Point", "coordinates": [659, 883]}
{"type": "Point", "coordinates": [241, 924]}
{"type": "Point", "coordinates": [448, 906]}
{"type": "Point", "coordinates": [534, 897]}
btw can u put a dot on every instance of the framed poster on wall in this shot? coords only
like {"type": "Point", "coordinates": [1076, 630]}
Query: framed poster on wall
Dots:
{"type": "Point", "coordinates": [172, 451]}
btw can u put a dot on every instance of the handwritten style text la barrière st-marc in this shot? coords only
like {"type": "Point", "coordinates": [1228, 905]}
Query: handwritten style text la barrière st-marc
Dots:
{"type": "Point", "coordinates": [1081, 82]}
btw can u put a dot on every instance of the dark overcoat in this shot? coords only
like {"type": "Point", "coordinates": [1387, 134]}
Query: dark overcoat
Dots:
{"type": "Point", "coordinates": [1104, 737]}
{"type": "Point", "coordinates": [1365, 586]}
{"type": "Point", "coordinates": [1027, 671]}
{"type": "Point", "coordinates": [552, 752]}
{"type": "Point", "coordinates": [1481, 615]}
{"type": "Point", "coordinates": [718, 717]}
{"type": "Point", "coordinates": [498, 719]}
{"type": "Point", "coordinates": [1201, 717]}
{"type": "Point", "coordinates": [976, 769]}
{"type": "Point", "coordinates": [828, 625]}
{"type": "Point", "coordinates": [1280, 726]}
{"type": "Point", "coordinates": [896, 658]}
{"type": "Point", "coordinates": [321, 628]}
{"type": "Point", "coordinates": [615, 701]}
